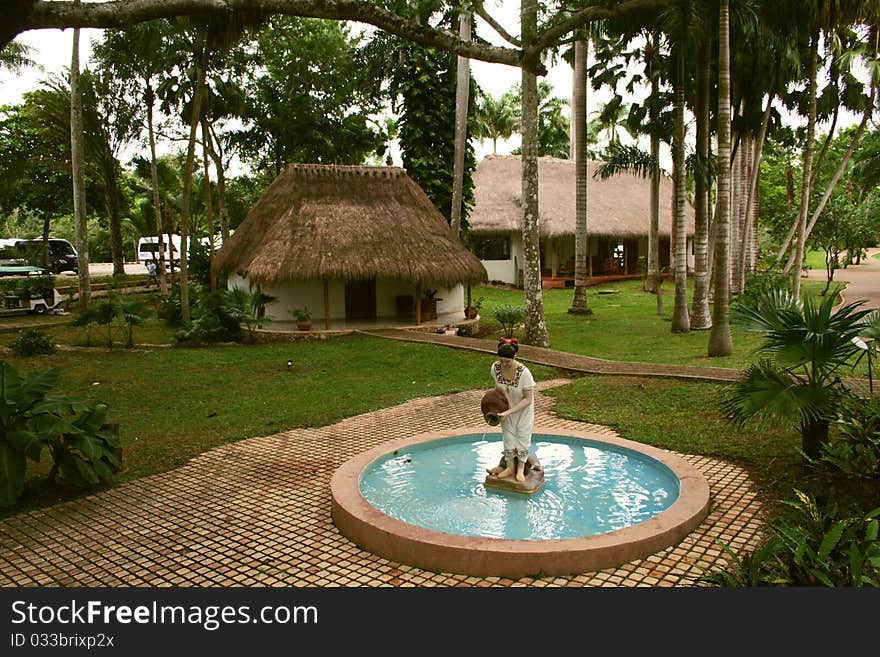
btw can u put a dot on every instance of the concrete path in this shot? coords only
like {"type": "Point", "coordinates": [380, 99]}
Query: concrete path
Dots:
{"type": "Point", "coordinates": [562, 360]}
{"type": "Point", "coordinates": [862, 281]}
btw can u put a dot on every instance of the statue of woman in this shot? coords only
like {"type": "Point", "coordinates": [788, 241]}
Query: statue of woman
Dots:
{"type": "Point", "coordinates": [515, 381]}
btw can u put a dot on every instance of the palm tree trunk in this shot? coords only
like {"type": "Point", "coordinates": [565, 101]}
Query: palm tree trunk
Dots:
{"type": "Point", "coordinates": [813, 436]}
{"type": "Point", "coordinates": [187, 182]}
{"type": "Point", "coordinates": [680, 319]}
{"type": "Point", "coordinates": [462, 90]}
{"type": "Point", "coordinates": [735, 218]}
{"type": "Point", "coordinates": [839, 171]}
{"type": "Point", "coordinates": [652, 279]}
{"type": "Point", "coordinates": [701, 319]}
{"type": "Point", "coordinates": [209, 209]}
{"type": "Point", "coordinates": [154, 179]}
{"type": "Point", "coordinates": [216, 152]}
{"type": "Point", "coordinates": [536, 327]}
{"type": "Point", "coordinates": [809, 147]}
{"type": "Point", "coordinates": [753, 191]}
{"type": "Point", "coordinates": [113, 212]}
{"type": "Point", "coordinates": [579, 151]}
{"type": "Point", "coordinates": [720, 343]}
{"type": "Point", "coordinates": [77, 166]}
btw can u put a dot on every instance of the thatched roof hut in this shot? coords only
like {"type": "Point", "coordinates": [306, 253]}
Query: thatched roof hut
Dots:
{"type": "Point", "coordinates": [616, 207]}
{"type": "Point", "coordinates": [348, 223]}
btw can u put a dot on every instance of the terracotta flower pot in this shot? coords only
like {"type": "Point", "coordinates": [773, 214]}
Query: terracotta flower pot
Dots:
{"type": "Point", "coordinates": [493, 403]}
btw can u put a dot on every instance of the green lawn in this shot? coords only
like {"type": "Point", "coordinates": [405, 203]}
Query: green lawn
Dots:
{"type": "Point", "coordinates": [174, 403]}
{"type": "Point", "coordinates": [624, 325]}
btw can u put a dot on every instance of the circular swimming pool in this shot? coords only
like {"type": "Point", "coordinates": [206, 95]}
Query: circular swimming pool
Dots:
{"type": "Point", "coordinates": [421, 501]}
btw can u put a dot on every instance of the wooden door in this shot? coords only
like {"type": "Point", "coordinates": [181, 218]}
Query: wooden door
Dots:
{"type": "Point", "coordinates": [360, 299]}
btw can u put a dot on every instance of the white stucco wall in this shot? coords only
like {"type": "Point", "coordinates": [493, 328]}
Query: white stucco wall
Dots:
{"type": "Point", "coordinates": [296, 294]}
{"type": "Point", "coordinates": [506, 270]}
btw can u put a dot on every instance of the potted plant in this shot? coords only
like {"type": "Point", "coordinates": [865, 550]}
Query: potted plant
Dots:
{"type": "Point", "coordinates": [473, 310]}
{"type": "Point", "coordinates": [303, 317]}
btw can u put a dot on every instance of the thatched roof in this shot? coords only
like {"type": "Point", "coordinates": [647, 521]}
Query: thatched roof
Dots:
{"type": "Point", "coordinates": [616, 207]}
{"type": "Point", "coordinates": [348, 222]}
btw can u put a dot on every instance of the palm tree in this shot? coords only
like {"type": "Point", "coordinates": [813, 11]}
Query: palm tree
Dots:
{"type": "Point", "coordinates": [535, 325]}
{"type": "Point", "coordinates": [579, 303]}
{"type": "Point", "coordinates": [15, 56]}
{"type": "Point", "coordinates": [462, 89]}
{"type": "Point", "coordinates": [808, 344]}
{"type": "Point", "coordinates": [720, 342]}
{"type": "Point", "coordinates": [77, 170]}
{"type": "Point", "coordinates": [136, 54]}
{"type": "Point", "coordinates": [497, 118]}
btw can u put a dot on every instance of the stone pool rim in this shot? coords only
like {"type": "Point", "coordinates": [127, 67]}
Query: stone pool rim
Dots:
{"type": "Point", "coordinates": [376, 532]}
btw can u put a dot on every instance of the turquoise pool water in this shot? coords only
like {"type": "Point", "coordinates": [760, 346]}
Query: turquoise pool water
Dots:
{"type": "Point", "coordinates": [591, 488]}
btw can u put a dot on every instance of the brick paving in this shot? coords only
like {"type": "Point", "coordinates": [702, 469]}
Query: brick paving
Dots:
{"type": "Point", "coordinates": [256, 513]}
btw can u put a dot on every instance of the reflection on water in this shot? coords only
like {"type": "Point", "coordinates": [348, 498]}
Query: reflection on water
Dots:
{"type": "Point", "coordinates": [590, 488]}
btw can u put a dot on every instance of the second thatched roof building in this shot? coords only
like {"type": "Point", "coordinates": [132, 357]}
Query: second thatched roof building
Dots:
{"type": "Point", "coordinates": [350, 243]}
{"type": "Point", "coordinates": [618, 214]}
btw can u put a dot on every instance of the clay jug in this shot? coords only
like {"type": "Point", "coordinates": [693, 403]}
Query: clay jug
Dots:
{"type": "Point", "coordinates": [493, 403]}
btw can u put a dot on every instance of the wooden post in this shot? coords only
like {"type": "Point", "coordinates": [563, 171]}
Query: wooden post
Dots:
{"type": "Point", "coordinates": [326, 304]}
{"type": "Point", "coordinates": [589, 259]}
{"type": "Point", "coordinates": [418, 303]}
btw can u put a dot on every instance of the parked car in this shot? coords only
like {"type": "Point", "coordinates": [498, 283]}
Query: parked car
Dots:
{"type": "Point", "coordinates": [60, 256]}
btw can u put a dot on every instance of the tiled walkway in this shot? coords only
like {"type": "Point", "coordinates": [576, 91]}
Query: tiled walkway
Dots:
{"type": "Point", "coordinates": [257, 513]}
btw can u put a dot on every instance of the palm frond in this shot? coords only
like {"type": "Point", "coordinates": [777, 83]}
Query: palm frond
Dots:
{"type": "Point", "coordinates": [620, 158]}
{"type": "Point", "coordinates": [767, 392]}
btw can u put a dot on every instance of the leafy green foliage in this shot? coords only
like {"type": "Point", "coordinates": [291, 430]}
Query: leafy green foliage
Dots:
{"type": "Point", "coordinates": [856, 451]}
{"type": "Point", "coordinates": [761, 567]}
{"type": "Point", "coordinates": [86, 319]}
{"type": "Point", "coordinates": [823, 549]}
{"type": "Point", "coordinates": [426, 80]}
{"type": "Point", "coordinates": [761, 284]}
{"type": "Point", "coordinates": [31, 342]}
{"type": "Point", "coordinates": [509, 317]}
{"type": "Point", "coordinates": [807, 344]}
{"type": "Point", "coordinates": [553, 138]}
{"type": "Point", "coordinates": [32, 420]}
{"type": "Point", "coordinates": [133, 312]}
{"type": "Point", "coordinates": [106, 309]}
{"type": "Point", "coordinates": [311, 100]}
{"type": "Point", "coordinates": [813, 547]}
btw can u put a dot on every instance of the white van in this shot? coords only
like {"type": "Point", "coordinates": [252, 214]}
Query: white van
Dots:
{"type": "Point", "coordinates": [148, 249]}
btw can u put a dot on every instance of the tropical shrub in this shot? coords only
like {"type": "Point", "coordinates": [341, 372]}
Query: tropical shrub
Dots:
{"type": "Point", "coordinates": [509, 317]}
{"type": "Point", "coordinates": [216, 317]}
{"type": "Point", "coordinates": [760, 284]}
{"type": "Point", "coordinates": [33, 421]}
{"type": "Point", "coordinates": [761, 567]}
{"type": "Point", "coordinates": [85, 319]}
{"type": "Point", "coordinates": [133, 312]}
{"type": "Point", "coordinates": [822, 549]}
{"type": "Point", "coordinates": [813, 547]}
{"type": "Point", "coordinates": [806, 345]}
{"type": "Point", "coordinates": [855, 452]}
{"type": "Point", "coordinates": [32, 342]}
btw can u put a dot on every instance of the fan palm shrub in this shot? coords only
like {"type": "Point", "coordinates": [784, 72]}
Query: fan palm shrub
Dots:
{"type": "Point", "coordinates": [807, 344]}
